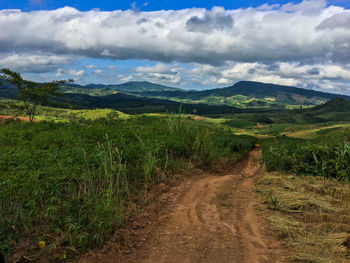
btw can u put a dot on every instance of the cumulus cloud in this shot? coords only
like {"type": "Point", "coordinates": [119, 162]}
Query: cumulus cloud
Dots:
{"type": "Point", "coordinates": [158, 68]}
{"type": "Point", "coordinates": [318, 76]}
{"type": "Point", "coordinates": [217, 19]}
{"type": "Point", "coordinates": [159, 73]}
{"type": "Point", "coordinates": [340, 20]}
{"type": "Point", "coordinates": [76, 74]}
{"type": "Point", "coordinates": [59, 73]}
{"type": "Point", "coordinates": [307, 7]}
{"type": "Point", "coordinates": [249, 35]}
{"type": "Point", "coordinates": [288, 43]}
{"type": "Point", "coordinates": [35, 63]}
{"type": "Point", "coordinates": [159, 78]}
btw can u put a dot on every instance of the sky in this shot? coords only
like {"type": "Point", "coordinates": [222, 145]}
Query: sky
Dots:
{"type": "Point", "coordinates": [187, 44]}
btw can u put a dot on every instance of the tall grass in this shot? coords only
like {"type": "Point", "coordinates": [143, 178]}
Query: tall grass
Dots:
{"type": "Point", "coordinates": [70, 184]}
{"type": "Point", "coordinates": [326, 156]}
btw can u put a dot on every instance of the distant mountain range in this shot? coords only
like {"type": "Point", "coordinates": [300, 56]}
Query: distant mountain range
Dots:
{"type": "Point", "coordinates": [126, 102]}
{"type": "Point", "coordinates": [243, 94]}
{"type": "Point", "coordinates": [128, 87]}
{"type": "Point", "coordinates": [138, 97]}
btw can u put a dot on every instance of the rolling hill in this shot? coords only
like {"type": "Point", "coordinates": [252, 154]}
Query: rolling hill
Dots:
{"type": "Point", "coordinates": [335, 110]}
{"type": "Point", "coordinates": [247, 94]}
{"type": "Point", "coordinates": [243, 94]}
{"type": "Point", "coordinates": [125, 102]}
{"type": "Point", "coordinates": [133, 87]}
{"type": "Point", "coordinates": [138, 97]}
{"type": "Point", "coordinates": [132, 104]}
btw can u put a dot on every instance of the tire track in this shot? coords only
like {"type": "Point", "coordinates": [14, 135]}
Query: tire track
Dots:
{"type": "Point", "coordinates": [202, 230]}
{"type": "Point", "coordinates": [213, 219]}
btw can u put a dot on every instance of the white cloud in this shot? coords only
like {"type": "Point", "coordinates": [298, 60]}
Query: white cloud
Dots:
{"type": "Point", "coordinates": [275, 79]}
{"type": "Point", "coordinates": [223, 81]}
{"type": "Point", "coordinates": [239, 71]}
{"type": "Point", "coordinates": [124, 78]}
{"type": "Point", "coordinates": [317, 76]}
{"type": "Point", "coordinates": [306, 7]}
{"type": "Point", "coordinates": [189, 35]}
{"type": "Point", "coordinates": [166, 74]}
{"type": "Point", "coordinates": [297, 44]}
{"type": "Point", "coordinates": [76, 74]}
{"type": "Point", "coordinates": [90, 66]}
{"type": "Point", "coordinates": [159, 78]}
{"type": "Point", "coordinates": [158, 68]}
{"type": "Point", "coordinates": [59, 73]}
{"type": "Point", "coordinates": [31, 62]}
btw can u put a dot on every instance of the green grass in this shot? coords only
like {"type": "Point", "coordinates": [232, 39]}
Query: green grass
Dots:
{"type": "Point", "coordinates": [71, 183]}
{"type": "Point", "coordinates": [44, 113]}
{"type": "Point", "coordinates": [327, 154]}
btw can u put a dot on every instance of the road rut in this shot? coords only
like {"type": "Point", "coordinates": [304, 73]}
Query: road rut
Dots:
{"type": "Point", "coordinates": [213, 218]}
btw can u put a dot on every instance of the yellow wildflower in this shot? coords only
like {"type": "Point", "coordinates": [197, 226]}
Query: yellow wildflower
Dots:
{"type": "Point", "coordinates": [41, 244]}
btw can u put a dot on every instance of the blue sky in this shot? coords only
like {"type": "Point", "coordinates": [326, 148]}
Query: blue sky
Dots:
{"type": "Point", "coordinates": [190, 44]}
{"type": "Point", "coordinates": [143, 5]}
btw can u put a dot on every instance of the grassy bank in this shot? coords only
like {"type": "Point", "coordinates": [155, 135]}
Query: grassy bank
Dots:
{"type": "Point", "coordinates": [71, 184]}
{"type": "Point", "coordinates": [327, 155]}
{"type": "Point", "coordinates": [306, 187]}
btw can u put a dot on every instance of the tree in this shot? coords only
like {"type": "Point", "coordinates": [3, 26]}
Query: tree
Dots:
{"type": "Point", "coordinates": [32, 93]}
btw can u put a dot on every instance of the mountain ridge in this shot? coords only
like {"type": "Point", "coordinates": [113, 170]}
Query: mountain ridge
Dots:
{"type": "Point", "coordinates": [243, 94]}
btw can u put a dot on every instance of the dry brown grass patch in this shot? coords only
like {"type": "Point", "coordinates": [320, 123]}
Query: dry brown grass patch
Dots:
{"type": "Point", "coordinates": [311, 215]}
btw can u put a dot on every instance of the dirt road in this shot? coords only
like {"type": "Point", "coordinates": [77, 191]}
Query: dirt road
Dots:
{"type": "Point", "coordinates": [209, 218]}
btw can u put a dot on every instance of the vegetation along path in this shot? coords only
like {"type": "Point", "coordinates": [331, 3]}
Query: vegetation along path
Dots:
{"type": "Point", "coordinates": [208, 218]}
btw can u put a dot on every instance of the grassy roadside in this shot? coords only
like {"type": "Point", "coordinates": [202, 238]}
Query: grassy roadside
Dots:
{"type": "Point", "coordinates": [311, 215]}
{"type": "Point", "coordinates": [70, 184]}
{"type": "Point", "coordinates": [306, 188]}
{"type": "Point", "coordinates": [327, 154]}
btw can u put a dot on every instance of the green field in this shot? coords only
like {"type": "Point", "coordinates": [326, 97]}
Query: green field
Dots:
{"type": "Point", "coordinates": [71, 183]}
{"type": "Point", "coordinates": [74, 176]}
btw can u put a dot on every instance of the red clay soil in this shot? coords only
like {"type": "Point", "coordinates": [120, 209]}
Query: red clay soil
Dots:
{"type": "Point", "coordinates": [6, 117]}
{"type": "Point", "coordinates": [205, 218]}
